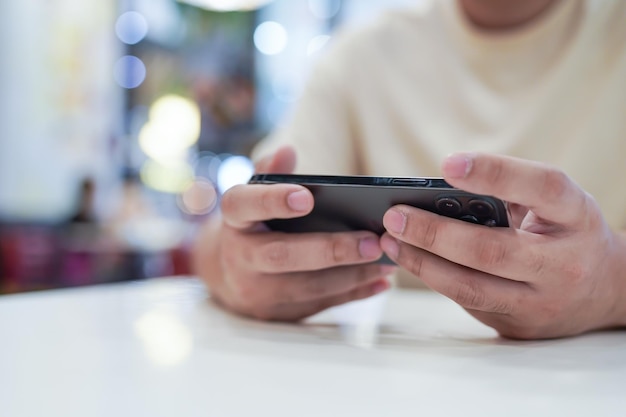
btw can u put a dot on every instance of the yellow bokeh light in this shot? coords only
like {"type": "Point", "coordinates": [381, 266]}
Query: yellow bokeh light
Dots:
{"type": "Point", "coordinates": [159, 145]}
{"type": "Point", "coordinates": [166, 339]}
{"type": "Point", "coordinates": [174, 177]}
{"type": "Point", "coordinates": [173, 127]}
{"type": "Point", "coordinates": [179, 115]}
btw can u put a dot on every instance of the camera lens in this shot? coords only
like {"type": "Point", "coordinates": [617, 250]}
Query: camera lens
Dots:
{"type": "Point", "coordinates": [481, 208]}
{"type": "Point", "coordinates": [470, 219]}
{"type": "Point", "coordinates": [448, 206]}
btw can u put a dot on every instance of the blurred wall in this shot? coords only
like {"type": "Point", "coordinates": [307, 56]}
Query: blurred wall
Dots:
{"type": "Point", "coordinates": [300, 31]}
{"type": "Point", "coordinates": [58, 104]}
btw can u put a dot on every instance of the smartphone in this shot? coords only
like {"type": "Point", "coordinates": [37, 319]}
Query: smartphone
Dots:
{"type": "Point", "coordinates": [347, 203]}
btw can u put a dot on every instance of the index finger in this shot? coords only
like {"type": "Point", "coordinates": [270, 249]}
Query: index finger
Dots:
{"type": "Point", "coordinates": [544, 189]}
{"type": "Point", "coordinates": [247, 204]}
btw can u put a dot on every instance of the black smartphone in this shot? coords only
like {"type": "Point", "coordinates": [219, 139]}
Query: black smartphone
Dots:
{"type": "Point", "coordinates": [346, 203]}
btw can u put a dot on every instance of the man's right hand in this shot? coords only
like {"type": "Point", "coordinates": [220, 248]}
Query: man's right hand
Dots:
{"type": "Point", "coordinates": [282, 276]}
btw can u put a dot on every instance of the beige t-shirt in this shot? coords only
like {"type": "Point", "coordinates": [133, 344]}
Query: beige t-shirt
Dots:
{"type": "Point", "coordinates": [396, 97]}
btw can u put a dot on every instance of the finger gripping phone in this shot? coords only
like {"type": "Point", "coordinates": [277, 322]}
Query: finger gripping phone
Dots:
{"type": "Point", "coordinates": [348, 203]}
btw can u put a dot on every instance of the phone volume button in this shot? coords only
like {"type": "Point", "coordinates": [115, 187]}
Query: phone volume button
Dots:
{"type": "Point", "coordinates": [410, 181]}
{"type": "Point", "coordinates": [438, 183]}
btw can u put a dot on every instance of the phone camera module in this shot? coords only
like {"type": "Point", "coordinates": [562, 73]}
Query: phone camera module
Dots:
{"type": "Point", "coordinates": [470, 219]}
{"type": "Point", "coordinates": [480, 208]}
{"type": "Point", "coordinates": [490, 223]}
{"type": "Point", "coordinates": [448, 206]}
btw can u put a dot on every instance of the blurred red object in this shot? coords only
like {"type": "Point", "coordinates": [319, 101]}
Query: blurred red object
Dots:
{"type": "Point", "coordinates": [29, 257]}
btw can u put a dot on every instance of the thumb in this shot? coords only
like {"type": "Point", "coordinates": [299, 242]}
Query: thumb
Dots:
{"type": "Point", "coordinates": [283, 161]}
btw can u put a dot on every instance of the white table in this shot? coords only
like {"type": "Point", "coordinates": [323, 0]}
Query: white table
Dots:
{"type": "Point", "coordinates": [158, 348]}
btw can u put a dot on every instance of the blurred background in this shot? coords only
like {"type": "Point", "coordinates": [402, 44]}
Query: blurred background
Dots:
{"type": "Point", "coordinates": [123, 122]}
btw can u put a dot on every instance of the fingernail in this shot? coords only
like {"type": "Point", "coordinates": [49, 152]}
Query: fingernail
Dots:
{"type": "Point", "coordinates": [458, 165]}
{"type": "Point", "coordinates": [380, 286]}
{"type": "Point", "coordinates": [369, 248]}
{"type": "Point", "coordinates": [299, 201]}
{"type": "Point", "coordinates": [390, 246]}
{"type": "Point", "coordinates": [394, 221]}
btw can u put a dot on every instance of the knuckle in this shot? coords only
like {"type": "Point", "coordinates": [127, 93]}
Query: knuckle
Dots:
{"type": "Point", "coordinates": [501, 307]}
{"type": "Point", "coordinates": [229, 200]}
{"type": "Point", "coordinates": [276, 254]}
{"type": "Point", "coordinates": [498, 173]}
{"type": "Point", "coordinates": [339, 250]}
{"type": "Point", "coordinates": [413, 262]}
{"type": "Point", "coordinates": [490, 252]}
{"type": "Point", "coordinates": [555, 183]}
{"type": "Point", "coordinates": [267, 201]}
{"type": "Point", "coordinates": [469, 295]}
{"type": "Point", "coordinates": [428, 237]}
{"type": "Point", "coordinates": [592, 214]}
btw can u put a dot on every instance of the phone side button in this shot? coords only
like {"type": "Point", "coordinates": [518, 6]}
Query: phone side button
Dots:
{"type": "Point", "coordinates": [410, 181]}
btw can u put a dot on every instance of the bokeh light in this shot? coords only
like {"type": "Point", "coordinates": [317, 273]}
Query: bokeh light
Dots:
{"type": "Point", "coordinates": [129, 72]}
{"type": "Point", "coordinates": [131, 27]}
{"type": "Point", "coordinates": [233, 171]}
{"type": "Point", "coordinates": [166, 340]}
{"type": "Point", "coordinates": [228, 5]}
{"type": "Point", "coordinates": [324, 9]}
{"type": "Point", "coordinates": [173, 127]}
{"type": "Point", "coordinates": [316, 44]}
{"type": "Point", "coordinates": [179, 115]}
{"type": "Point", "coordinates": [270, 38]}
{"type": "Point", "coordinates": [207, 165]}
{"type": "Point", "coordinates": [199, 199]}
{"type": "Point", "coordinates": [173, 177]}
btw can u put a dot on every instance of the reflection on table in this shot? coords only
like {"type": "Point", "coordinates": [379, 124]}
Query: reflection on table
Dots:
{"type": "Point", "coordinates": [159, 348]}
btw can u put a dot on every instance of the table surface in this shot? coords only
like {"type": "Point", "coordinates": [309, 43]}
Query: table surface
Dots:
{"type": "Point", "coordinates": [159, 348]}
